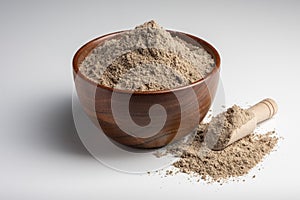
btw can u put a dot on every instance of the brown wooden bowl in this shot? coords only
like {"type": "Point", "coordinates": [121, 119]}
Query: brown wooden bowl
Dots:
{"type": "Point", "coordinates": [185, 106]}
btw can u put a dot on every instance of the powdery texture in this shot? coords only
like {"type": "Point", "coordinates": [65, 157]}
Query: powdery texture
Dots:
{"type": "Point", "coordinates": [221, 126]}
{"type": "Point", "coordinates": [147, 69]}
{"type": "Point", "coordinates": [234, 161]}
{"type": "Point", "coordinates": [147, 50]}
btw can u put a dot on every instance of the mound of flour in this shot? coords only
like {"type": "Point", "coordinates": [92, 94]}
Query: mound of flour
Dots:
{"type": "Point", "coordinates": [146, 58]}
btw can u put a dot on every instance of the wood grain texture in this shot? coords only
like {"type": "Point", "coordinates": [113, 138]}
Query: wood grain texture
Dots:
{"type": "Point", "coordinates": [96, 101]}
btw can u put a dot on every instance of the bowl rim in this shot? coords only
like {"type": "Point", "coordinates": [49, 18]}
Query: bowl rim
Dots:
{"type": "Point", "coordinates": [216, 68]}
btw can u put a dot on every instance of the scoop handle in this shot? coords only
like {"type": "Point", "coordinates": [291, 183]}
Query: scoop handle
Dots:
{"type": "Point", "coordinates": [264, 109]}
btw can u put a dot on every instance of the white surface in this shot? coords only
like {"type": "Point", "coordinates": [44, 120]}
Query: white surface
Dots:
{"type": "Point", "coordinates": [41, 156]}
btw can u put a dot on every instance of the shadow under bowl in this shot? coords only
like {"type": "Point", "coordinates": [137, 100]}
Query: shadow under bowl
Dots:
{"type": "Point", "coordinates": [184, 106]}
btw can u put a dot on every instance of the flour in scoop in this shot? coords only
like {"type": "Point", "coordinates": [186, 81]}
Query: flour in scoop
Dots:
{"type": "Point", "coordinates": [221, 126]}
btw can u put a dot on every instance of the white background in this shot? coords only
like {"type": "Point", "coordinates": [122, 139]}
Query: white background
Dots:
{"type": "Point", "coordinates": [41, 155]}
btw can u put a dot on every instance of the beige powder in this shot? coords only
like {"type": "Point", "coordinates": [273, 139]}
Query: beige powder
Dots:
{"type": "Point", "coordinates": [234, 161]}
{"type": "Point", "coordinates": [197, 159]}
{"type": "Point", "coordinates": [147, 58]}
{"type": "Point", "coordinates": [221, 126]}
{"type": "Point", "coordinates": [147, 69]}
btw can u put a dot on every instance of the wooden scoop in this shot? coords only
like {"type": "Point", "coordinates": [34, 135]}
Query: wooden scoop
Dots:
{"type": "Point", "coordinates": [262, 111]}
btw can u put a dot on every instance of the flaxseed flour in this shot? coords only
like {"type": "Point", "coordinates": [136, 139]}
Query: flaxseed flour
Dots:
{"type": "Point", "coordinates": [147, 58]}
{"type": "Point", "coordinates": [236, 160]}
{"type": "Point", "coordinates": [150, 58]}
{"type": "Point", "coordinates": [221, 126]}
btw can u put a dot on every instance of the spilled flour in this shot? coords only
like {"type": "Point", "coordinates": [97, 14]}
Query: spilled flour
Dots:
{"type": "Point", "coordinates": [236, 160]}
{"type": "Point", "coordinates": [147, 58]}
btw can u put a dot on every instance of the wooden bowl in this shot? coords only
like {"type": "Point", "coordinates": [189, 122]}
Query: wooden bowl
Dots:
{"type": "Point", "coordinates": [185, 106]}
